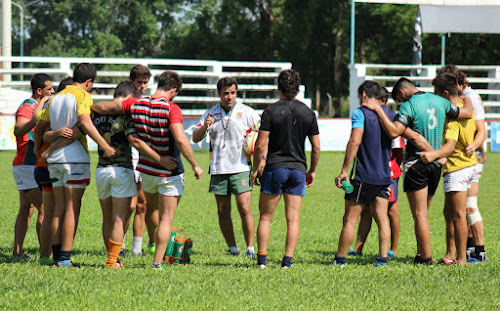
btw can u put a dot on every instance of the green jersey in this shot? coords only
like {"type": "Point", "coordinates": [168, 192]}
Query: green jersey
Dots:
{"type": "Point", "coordinates": [115, 130]}
{"type": "Point", "coordinates": [425, 113]}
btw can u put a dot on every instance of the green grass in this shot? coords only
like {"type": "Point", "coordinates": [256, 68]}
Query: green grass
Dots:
{"type": "Point", "coordinates": [218, 281]}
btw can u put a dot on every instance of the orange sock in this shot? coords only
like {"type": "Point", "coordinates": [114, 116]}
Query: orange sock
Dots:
{"type": "Point", "coordinates": [113, 251]}
{"type": "Point", "coordinates": [288, 255]}
{"type": "Point", "coordinates": [260, 252]}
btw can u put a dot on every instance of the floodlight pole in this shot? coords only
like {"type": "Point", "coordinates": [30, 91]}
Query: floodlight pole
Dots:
{"type": "Point", "coordinates": [6, 37]}
{"type": "Point", "coordinates": [353, 29]}
{"type": "Point", "coordinates": [21, 36]}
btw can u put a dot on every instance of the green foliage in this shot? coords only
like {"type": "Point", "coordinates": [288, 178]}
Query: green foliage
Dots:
{"type": "Point", "coordinates": [216, 281]}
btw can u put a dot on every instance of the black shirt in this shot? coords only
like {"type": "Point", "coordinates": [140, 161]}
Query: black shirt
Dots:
{"type": "Point", "coordinates": [289, 123]}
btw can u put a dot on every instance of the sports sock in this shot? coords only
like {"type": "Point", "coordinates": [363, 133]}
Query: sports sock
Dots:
{"type": "Point", "coordinates": [56, 250]}
{"type": "Point", "coordinates": [233, 249]}
{"type": "Point", "coordinates": [470, 242]}
{"type": "Point", "coordinates": [339, 259]}
{"type": "Point", "coordinates": [113, 251]}
{"type": "Point", "coordinates": [261, 258]}
{"type": "Point", "coordinates": [251, 249]}
{"type": "Point", "coordinates": [123, 243]}
{"type": "Point", "coordinates": [287, 261]}
{"type": "Point", "coordinates": [137, 245]}
{"type": "Point", "coordinates": [382, 259]}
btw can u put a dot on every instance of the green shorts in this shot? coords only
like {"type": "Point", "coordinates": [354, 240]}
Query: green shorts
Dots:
{"type": "Point", "coordinates": [226, 184]}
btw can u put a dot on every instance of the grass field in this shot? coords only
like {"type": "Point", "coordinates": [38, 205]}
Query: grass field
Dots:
{"type": "Point", "coordinates": [216, 281]}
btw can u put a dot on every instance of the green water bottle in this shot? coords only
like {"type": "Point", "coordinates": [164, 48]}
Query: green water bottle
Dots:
{"type": "Point", "coordinates": [346, 186]}
{"type": "Point", "coordinates": [186, 254]}
{"type": "Point", "coordinates": [178, 247]}
{"type": "Point", "coordinates": [170, 245]}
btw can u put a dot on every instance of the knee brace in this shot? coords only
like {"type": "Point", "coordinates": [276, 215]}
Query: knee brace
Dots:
{"type": "Point", "coordinates": [475, 216]}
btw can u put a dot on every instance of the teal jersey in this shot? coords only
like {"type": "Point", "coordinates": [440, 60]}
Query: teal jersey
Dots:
{"type": "Point", "coordinates": [425, 113]}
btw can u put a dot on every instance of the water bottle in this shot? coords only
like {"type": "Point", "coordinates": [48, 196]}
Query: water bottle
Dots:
{"type": "Point", "coordinates": [170, 245]}
{"type": "Point", "coordinates": [177, 253]}
{"type": "Point", "coordinates": [347, 187]}
{"type": "Point", "coordinates": [187, 251]}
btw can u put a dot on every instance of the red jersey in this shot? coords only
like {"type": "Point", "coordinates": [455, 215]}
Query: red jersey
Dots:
{"type": "Point", "coordinates": [152, 117]}
{"type": "Point", "coordinates": [25, 144]}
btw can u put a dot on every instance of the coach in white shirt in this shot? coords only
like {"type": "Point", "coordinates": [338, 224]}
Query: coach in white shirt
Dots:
{"type": "Point", "coordinates": [227, 124]}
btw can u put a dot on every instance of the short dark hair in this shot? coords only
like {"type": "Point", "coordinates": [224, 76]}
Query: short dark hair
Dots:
{"type": "Point", "coordinates": [38, 81]}
{"type": "Point", "coordinates": [289, 83]}
{"type": "Point", "coordinates": [139, 71]}
{"type": "Point", "coordinates": [402, 83]}
{"type": "Point", "coordinates": [446, 81]}
{"type": "Point", "coordinates": [124, 89]}
{"type": "Point", "coordinates": [371, 88]}
{"type": "Point", "coordinates": [454, 70]}
{"type": "Point", "coordinates": [83, 72]}
{"type": "Point", "coordinates": [384, 94]}
{"type": "Point", "coordinates": [64, 83]}
{"type": "Point", "coordinates": [169, 80]}
{"type": "Point", "coordinates": [226, 81]}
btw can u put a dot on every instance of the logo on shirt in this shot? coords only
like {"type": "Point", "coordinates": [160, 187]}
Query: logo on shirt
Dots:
{"type": "Point", "coordinates": [239, 115]}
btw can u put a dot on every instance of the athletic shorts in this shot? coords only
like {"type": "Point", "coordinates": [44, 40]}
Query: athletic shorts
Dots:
{"type": "Point", "coordinates": [479, 170]}
{"type": "Point", "coordinates": [418, 175]}
{"type": "Point", "coordinates": [74, 175]}
{"type": "Point", "coordinates": [283, 180]}
{"type": "Point", "coordinates": [365, 193]}
{"type": "Point", "coordinates": [225, 184]}
{"type": "Point", "coordinates": [172, 186]}
{"type": "Point", "coordinates": [393, 197]}
{"type": "Point", "coordinates": [42, 178]}
{"type": "Point", "coordinates": [24, 177]}
{"type": "Point", "coordinates": [116, 182]}
{"type": "Point", "coordinates": [460, 180]}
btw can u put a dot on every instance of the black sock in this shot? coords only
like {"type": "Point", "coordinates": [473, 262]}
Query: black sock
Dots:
{"type": "Point", "coordinates": [470, 242]}
{"type": "Point", "coordinates": [383, 259]}
{"type": "Point", "coordinates": [56, 250]}
{"type": "Point", "coordinates": [340, 259]}
{"type": "Point", "coordinates": [287, 261]}
{"type": "Point", "coordinates": [261, 259]}
{"type": "Point", "coordinates": [65, 255]}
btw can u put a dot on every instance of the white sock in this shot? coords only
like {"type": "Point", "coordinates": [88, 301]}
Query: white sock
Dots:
{"type": "Point", "coordinates": [123, 244]}
{"type": "Point", "coordinates": [233, 249]}
{"type": "Point", "coordinates": [137, 245]}
{"type": "Point", "coordinates": [250, 249]}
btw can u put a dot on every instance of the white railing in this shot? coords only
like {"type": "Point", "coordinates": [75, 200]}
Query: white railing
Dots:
{"type": "Point", "coordinates": [483, 79]}
{"type": "Point", "coordinates": [256, 80]}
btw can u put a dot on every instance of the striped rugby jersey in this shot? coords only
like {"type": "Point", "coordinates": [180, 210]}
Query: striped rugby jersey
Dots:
{"type": "Point", "coordinates": [153, 117]}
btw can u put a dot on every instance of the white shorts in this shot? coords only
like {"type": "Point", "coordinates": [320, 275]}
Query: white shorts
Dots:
{"type": "Point", "coordinates": [74, 175]}
{"type": "Point", "coordinates": [479, 170]}
{"type": "Point", "coordinates": [24, 177]}
{"type": "Point", "coordinates": [116, 182]}
{"type": "Point", "coordinates": [168, 186]}
{"type": "Point", "coordinates": [460, 180]}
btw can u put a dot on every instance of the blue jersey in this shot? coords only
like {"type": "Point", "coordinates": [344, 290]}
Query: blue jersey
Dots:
{"type": "Point", "coordinates": [371, 164]}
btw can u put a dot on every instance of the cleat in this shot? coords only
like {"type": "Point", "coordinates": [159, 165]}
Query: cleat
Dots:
{"type": "Point", "coordinates": [379, 264]}
{"type": "Point", "coordinates": [474, 260]}
{"type": "Point", "coordinates": [353, 253]}
{"type": "Point", "coordinates": [66, 264]}
{"type": "Point", "coordinates": [152, 248]}
{"type": "Point", "coordinates": [250, 254]}
{"type": "Point", "coordinates": [340, 261]}
{"type": "Point", "coordinates": [233, 254]}
{"type": "Point", "coordinates": [446, 261]}
{"type": "Point", "coordinates": [418, 259]}
{"type": "Point", "coordinates": [159, 268]}
{"type": "Point", "coordinates": [390, 254]}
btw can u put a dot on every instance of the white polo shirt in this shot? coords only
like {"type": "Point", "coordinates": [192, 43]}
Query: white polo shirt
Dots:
{"type": "Point", "coordinates": [226, 137]}
{"type": "Point", "coordinates": [477, 103]}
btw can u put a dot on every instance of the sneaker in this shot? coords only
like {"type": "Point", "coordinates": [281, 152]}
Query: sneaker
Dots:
{"type": "Point", "coordinates": [233, 254]}
{"type": "Point", "coordinates": [379, 264]}
{"type": "Point", "coordinates": [340, 261]}
{"type": "Point", "coordinates": [23, 257]}
{"type": "Point", "coordinates": [390, 254]}
{"type": "Point", "coordinates": [286, 262]}
{"type": "Point", "coordinates": [261, 261]}
{"type": "Point", "coordinates": [250, 255]}
{"type": "Point", "coordinates": [446, 261]}
{"type": "Point", "coordinates": [66, 264]}
{"type": "Point", "coordinates": [353, 253]}
{"type": "Point", "coordinates": [152, 248]}
{"type": "Point", "coordinates": [159, 267]}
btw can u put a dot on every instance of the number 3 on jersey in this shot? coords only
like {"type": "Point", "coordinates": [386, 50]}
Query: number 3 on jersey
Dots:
{"type": "Point", "coordinates": [432, 118]}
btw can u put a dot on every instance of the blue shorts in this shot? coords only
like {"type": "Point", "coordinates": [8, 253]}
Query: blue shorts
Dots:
{"type": "Point", "coordinates": [283, 180]}
{"type": "Point", "coordinates": [394, 190]}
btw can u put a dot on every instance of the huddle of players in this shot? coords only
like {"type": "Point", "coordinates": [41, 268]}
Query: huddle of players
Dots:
{"type": "Point", "coordinates": [166, 186]}
{"type": "Point", "coordinates": [434, 142]}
